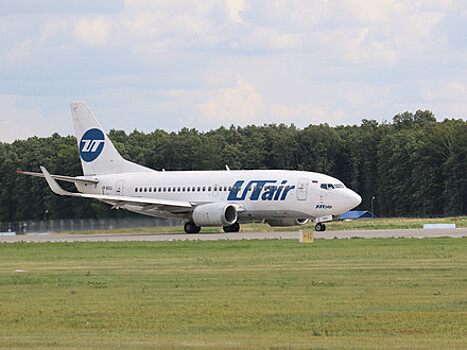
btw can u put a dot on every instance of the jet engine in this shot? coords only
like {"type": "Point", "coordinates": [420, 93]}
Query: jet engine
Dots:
{"type": "Point", "coordinates": [215, 214]}
{"type": "Point", "coordinates": [286, 222]}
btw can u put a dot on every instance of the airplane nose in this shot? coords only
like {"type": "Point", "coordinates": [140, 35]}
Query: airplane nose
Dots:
{"type": "Point", "coordinates": [354, 199]}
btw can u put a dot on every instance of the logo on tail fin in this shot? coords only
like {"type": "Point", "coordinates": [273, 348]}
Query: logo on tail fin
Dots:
{"type": "Point", "coordinates": [91, 145]}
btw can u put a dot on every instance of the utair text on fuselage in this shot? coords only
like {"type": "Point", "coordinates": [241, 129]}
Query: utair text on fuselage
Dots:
{"type": "Point", "coordinates": [271, 192]}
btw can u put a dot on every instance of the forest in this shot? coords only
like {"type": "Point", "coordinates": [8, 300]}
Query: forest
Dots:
{"type": "Point", "coordinates": [413, 165]}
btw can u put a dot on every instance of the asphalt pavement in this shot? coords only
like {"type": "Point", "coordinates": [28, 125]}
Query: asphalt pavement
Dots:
{"type": "Point", "coordinates": [122, 237]}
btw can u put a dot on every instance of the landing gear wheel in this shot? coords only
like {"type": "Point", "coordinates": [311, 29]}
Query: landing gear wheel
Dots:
{"type": "Point", "coordinates": [320, 227]}
{"type": "Point", "coordinates": [232, 228]}
{"type": "Point", "coordinates": [190, 227]}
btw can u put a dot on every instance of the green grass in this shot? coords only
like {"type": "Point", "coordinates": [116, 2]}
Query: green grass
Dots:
{"type": "Point", "coordinates": [364, 224]}
{"type": "Point", "coordinates": [270, 294]}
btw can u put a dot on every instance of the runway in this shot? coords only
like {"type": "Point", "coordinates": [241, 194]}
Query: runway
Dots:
{"type": "Point", "coordinates": [129, 237]}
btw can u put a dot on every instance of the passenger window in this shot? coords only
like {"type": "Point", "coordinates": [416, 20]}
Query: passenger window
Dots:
{"type": "Point", "coordinates": [145, 189]}
{"type": "Point", "coordinates": [204, 189]}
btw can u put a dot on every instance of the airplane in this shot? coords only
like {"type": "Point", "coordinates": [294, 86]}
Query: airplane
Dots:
{"type": "Point", "coordinates": [200, 198]}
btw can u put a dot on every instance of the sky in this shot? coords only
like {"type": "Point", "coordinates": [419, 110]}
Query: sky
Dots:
{"type": "Point", "coordinates": [169, 64]}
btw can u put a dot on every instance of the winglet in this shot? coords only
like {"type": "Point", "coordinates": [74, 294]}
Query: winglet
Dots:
{"type": "Point", "coordinates": [54, 186]}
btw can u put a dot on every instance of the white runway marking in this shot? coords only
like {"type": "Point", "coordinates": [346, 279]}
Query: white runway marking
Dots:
{"type": "Point", "coordinates": [122, 237]}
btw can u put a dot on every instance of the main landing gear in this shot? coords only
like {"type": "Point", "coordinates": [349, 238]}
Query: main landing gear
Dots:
{"type": "Point", "coordinates": [320, 227]}
{"type": "Point", "coordinates": [232, 228]}
{"type": "Point", "coordinates": [190, 227]}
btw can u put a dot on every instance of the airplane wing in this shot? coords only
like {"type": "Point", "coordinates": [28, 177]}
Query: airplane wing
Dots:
{"type": "Point", "coordinates": [120, 201]}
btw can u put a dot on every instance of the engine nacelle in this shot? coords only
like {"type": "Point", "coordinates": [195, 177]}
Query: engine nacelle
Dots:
{"type": "Point", "coordinates": [215, 214]}
{"type": "Point", "coordinates": [286, 222]}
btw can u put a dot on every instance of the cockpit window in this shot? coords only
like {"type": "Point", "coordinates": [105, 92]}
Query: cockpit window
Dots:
{"type": "Point", "coordinates": [331, 186]}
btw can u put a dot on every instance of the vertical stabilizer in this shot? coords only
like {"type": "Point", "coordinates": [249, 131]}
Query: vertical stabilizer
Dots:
{"type": "Point", "coordinates": [98, 155]}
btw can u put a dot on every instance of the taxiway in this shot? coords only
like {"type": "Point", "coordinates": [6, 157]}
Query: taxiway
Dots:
{"type": "Point", "coordinates": [122, 237]}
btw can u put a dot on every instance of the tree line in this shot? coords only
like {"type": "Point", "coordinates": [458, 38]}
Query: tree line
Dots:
{"type": "Point", "coordinates": [411, 166]}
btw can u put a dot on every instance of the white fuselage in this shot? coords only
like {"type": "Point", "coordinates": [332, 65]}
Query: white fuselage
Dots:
{"type": "Point", "coordinates": [201, 198]}
{"type": "Point", "coordinates": [258, 194]}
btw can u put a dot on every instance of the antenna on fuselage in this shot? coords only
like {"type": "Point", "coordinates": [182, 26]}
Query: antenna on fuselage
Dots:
{"type": "Point", "coordinates": [227, 167]}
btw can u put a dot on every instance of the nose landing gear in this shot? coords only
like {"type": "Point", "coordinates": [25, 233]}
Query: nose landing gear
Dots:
{"type": "Point", "coordinates": [320, 227]}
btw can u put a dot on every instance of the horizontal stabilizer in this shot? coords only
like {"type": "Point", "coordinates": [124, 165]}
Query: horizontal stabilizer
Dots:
{"type": "Point", "coordinates": [61, 177]}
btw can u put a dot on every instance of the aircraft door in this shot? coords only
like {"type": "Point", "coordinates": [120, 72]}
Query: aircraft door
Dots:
{"type": "Point", "coordinates": [302, 189]}
{"type": "Point", "coordinates": [119, 188]}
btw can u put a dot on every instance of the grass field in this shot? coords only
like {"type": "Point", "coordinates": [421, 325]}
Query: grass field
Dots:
{"type": "Point", "coordinates": [269, 294]}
